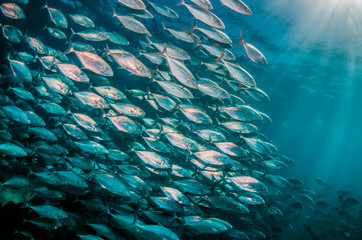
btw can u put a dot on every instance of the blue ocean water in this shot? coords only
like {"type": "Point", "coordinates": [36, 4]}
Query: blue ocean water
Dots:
{"type": "Point", "coordinates": [314, 49]}
{"type": "Point", "coordinates": [314, 54]}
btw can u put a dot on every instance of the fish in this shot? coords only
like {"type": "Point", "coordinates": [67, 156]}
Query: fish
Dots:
{"type": "Point", "coordinates": [205, 4]}
{"type": "Point", "coordinates": [20, 70]}
{"type": "Point", "coordinates": [163, 10]}
{"type": "Point", "coordinates": [128, 62]}
{"type": "Point", "coordinates": [72, 72]}
{"type": "Point", "coordinates": [238, 6]}
{"type": "Point", "coordinates": [175, 89]}
{"type": "Point", "coordinates": [82, 20]}
{"type": "Point", "coordinates": [12, 150]}
{"type": "Point", "coordinates": [179, 70]}
{"type": "Point", "coordinates": [204, 15]}
{"type": "Point", "coordinates": [50, 212]}
{"type": "Point", "coordinates": [213, 34]}
{"type": "Point", "coordinates": [170, 148]}
{"type": "Point", "coordinates": [92, 35]}
{"type": "Point", "coordinates": [12, 10]}
{"type": "Point", "coordinates": [146, 14]}
{"type": "Point", "coordinates": [217, 51]}
{"type": "Point", "coordinates": [134, 4]}
{"type": "Point", "coordinates": [91, 61]}
{"type": "Point", "coordinates": [253, 53]}
{"type": "Point", "coordinates": [57, 33]}
{"type": "Point", "coordinates": [132, 24]}
{"type": "Point", "coordinates": [56, 16]}
{"type": "Point", "coordinates": [11, 33]}
{"type": "Point", "coordinates": [172, 50]}
{"type": "Point", "coordinates": [116, 38]}
{"type": "Point", "coordinates": [37, 45]}
{"type": "Point", "coordinates": [182, 34]}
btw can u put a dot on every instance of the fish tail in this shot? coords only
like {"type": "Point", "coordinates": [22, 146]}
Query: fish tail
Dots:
{"type": "Point", "coordinates": [163, 26]}
{"type": "Point", "coordinates": [163, 52]}
{"type": "Point", "coordinates": [52, 64]}
{"type": "Point", "coordinates": [107, 52]}
{"type": "Point", "coordinates": [72, 33]}
{"type": "Point", "coordinates": [45, 5]}
{"type": "Point", "coordinates": [196, 44]}
{"type": "Point", "coordinates": [149, 42]}
{"type": "Point", "coordinates": [182, 2]}
{"type": "Point", "coordinates": [241, 42]}
{"type": "Point", "coordinates": [69, 50]}
{"type": "Point", "coordinates": [25, 35]}
{"type": "Point", "coordinates": [193, 27]}
{"type": "Point", "coordinates": [221, 56]}
{"type": "Point", "coordinates": [114, 14]}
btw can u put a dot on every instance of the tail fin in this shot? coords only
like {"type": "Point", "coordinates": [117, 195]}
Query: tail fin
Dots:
{"type": "Point", "coordinates": [241, 42]}
{"type": "Point", "coordinates": [45, 5]}
{"type": "Point", "coordinates": [193, 27]}
{"type": "Point", "coordinates": [196, 44]}
{"type": "Point", "coordinates": [221, 56]}
{"type": "Point", "coordinates": [107, 52]}
{"type": "Point", "coordinates": [182, 2]}
{"type": "Point", "coordinates": [163, 52]}
{"type": "Point", "coordinates": [149, 42]}
{"type": "Point", "coordinates": [163, 26]}
{"type": "Point", "coordinates": [114, 14]}
{"type": "Point", "coordinates": [69, 50]}
{"type": "Point", "coordinates": [72, 33]}
{"type": "Point", "coordinates": [25, 35]}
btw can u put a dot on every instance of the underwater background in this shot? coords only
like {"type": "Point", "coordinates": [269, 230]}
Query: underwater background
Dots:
{"type": "Point", "coordinates": [312, 78]}
{"type": "Point", "coordinates": [315, 55]}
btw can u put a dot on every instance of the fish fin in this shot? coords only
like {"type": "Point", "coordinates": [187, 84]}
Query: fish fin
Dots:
{"type": "Point", "coordinates": [174, 217]}
{"type": "Point", "coordinates": [216, 110]}
{"type": "Point", "coordinates": [161, 130]}
{"type": "Point", "coordinates": [72, 33]}
{"type": "Point", "coordinates": [114, 14]}
{"type": "Point", "coordinates": [163, 26]}
{"type": "Point", "coordinates": [241, 42]}
{"type": "Point", "coordinates": [69, 50]}
{"type": "Point", "coordinates": [196, 171]}
{"type": "Point", "coordinates": [241, 87]}
{"type": "Point", "coordinates": [182, 2]}
{"type": "Point", "coordinates": [134, 218]}
{"type": "Point", "coordinates": [193, 27]}
{"type": "Point", "coordinates": [196, 44]}
{"type": "Point", "coordinates": [163, 52]}
{"type": "Point", "coordinates": [45, 5]}
{"type": "Point", "coordinates": [106, 53]}
{"type": "Point", "coordinates": [149, 42]}
{"type": "Point", "coordinates": [153, 73]}
{"type": "Point", "coordinates": [223, 79]}
{"type": "Point", "coordinates": [221, 56]}
{"type": "Point", "coordinates": [189, 153]}
{"type": "Point", "coordinates": [52, 64]}
{"type": "Point", "coordinates": [25, 35]}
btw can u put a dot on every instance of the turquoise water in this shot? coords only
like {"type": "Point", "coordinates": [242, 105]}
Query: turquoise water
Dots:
{"type": "Point", "coordinates": [314, 82]}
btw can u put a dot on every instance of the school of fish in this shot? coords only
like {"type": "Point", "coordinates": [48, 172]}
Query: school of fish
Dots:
{"type": "Point", "coordinates": [178, 157]}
